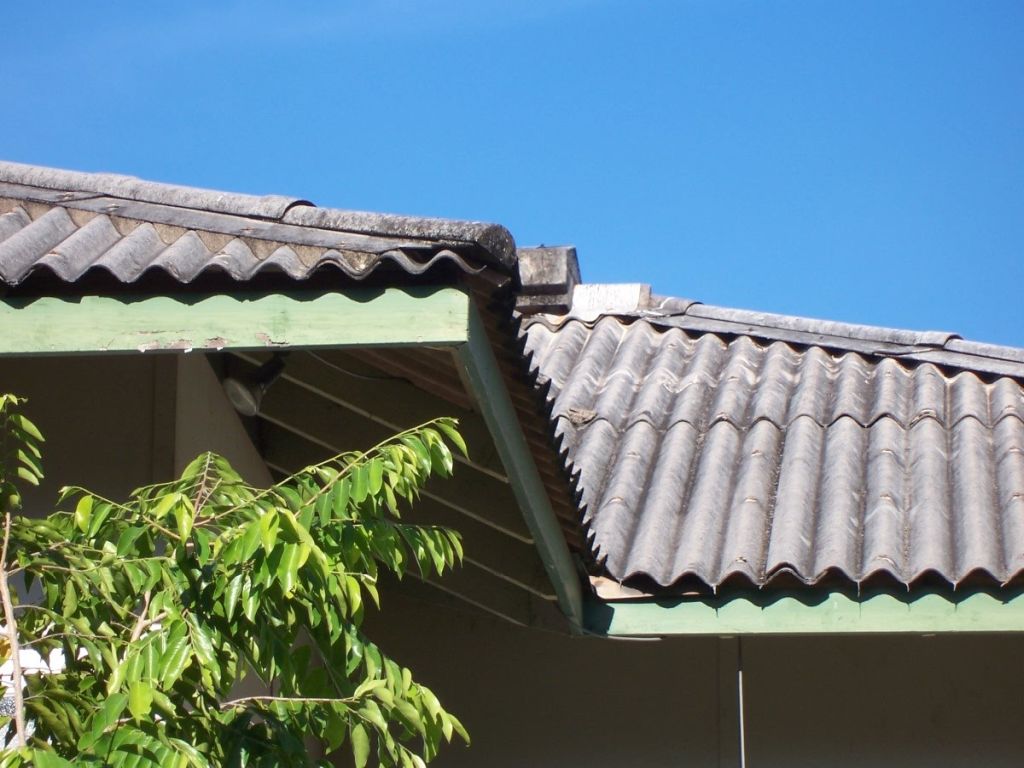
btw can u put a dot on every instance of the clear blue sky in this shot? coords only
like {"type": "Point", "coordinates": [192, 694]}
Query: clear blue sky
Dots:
{"type": "Point", "coordinates": [860, 161]}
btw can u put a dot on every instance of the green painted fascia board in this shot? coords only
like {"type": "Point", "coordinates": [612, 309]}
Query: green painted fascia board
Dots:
{"type": "Point", "coordinates": [112, 324]}
{"type": "Point", "coordinates": [488, 386]}
{"type": "Point", "coordinates": [815, 612]}
{"type": "Point", "coordinates": [355, 317]}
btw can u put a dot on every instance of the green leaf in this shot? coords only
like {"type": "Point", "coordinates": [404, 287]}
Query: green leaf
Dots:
{"type": "Point", "coordinates": [83, 513]}
{"type": "Point", "coordinates": [360, 484]}
{"type": "Point", "coordinates": [30, 462]}
{"type": "Point", "coordinates": [360, 745]}
{"type": "Point", "coordinates": [22, 423]}
{"type": "Point", "coordinates": [335, 730]}
{"type": "Point", "coordinates": [184, 517]}
{"type": "Point", "coordinates": [108, 714]}
{"type": "Point", "coordinates": [420, 450]}
{"type": "Point", "coordinates": [164, 505]}
{"type": "Point", "coordinates": [269, 525]}
{"type": "Point", "coordinates": [70, 602]}
{"type": "Point", "coordinates": [375, 476]}
{"type": "Point", "coordinates": [176, 657]}
{"type": "Point", "coordinates": [448, 427]}
{"type": "Point", "coordinates": [127, 539]}
{"type": "Point", "coordinates": [203, 647]}
{"type": "Point", "coordinates": [295, 560]}
{"type": "Point", "coordinates": [340, 495]}
{"type": "Point", "coordinates": [140, 699]}
{"type": "Point", "coordinates": [194, 756]}
{"type": "Point", "coordinates": [231, 595]}
{"type": "Point", "coordinates": [46, 759]}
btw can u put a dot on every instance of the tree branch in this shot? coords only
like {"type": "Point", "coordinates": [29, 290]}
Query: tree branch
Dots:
{"type": "Point", "coordinates": [17, 678]}
{"type": "Point", "coordinates": [243, 701]}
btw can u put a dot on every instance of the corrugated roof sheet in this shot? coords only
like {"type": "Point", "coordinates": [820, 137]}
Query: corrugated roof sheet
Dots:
{"type": "Point", "coordinates": [717, 445]}
{"type": "Point", "coordinates": [72, 223]}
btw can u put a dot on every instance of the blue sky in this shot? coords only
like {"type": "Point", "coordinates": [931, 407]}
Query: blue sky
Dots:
{"type": "Point", "coordinates": [859, 161]}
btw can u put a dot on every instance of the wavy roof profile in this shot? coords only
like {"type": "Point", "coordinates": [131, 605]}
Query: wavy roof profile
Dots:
{"type": "Point", "coordinates": [717, 445]}
{"type": "Point", "coordinates": [71, 224]}
{"type": "Point", "coordinates": [66, 227]}
{"type": "Point", "coordinates": [711, 445]}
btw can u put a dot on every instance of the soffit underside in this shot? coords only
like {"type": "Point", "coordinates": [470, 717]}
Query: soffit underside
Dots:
{"type": "Point", "coordinates": [329, 401]}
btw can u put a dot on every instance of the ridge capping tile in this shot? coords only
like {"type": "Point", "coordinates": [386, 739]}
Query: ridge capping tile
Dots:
{"type": "Point", "coordinates": [495, 243]}
{"type": "Point", "coordinates": [132, 188]}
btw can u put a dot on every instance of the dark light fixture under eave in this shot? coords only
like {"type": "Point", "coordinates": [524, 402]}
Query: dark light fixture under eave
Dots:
{"type": "Point", "coordinates": [246, 392]}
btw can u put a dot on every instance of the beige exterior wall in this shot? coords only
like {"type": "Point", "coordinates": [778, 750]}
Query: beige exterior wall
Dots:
{"type": "Point", "coordinates": [117, 422]}
{"type": "Point", "coordinates": [97, 420]}
{"type": "Point", "coordinates": [532, 698]}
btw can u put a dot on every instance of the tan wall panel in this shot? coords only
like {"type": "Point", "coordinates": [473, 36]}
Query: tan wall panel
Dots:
{"type": "Point", "coordinates": [535, 698]}
{"type": "Point", "coordinates": [97, 419]}
{"type": "Point", "coordinates": [939, 701]}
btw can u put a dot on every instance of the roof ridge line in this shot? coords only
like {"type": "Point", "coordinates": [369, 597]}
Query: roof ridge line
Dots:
{"type": "Point", "coordinates": [493, 239]}
{"type": "Point", "coordinates": [905, 345]}
{"type": "Point", "coordinates": [132, 188]}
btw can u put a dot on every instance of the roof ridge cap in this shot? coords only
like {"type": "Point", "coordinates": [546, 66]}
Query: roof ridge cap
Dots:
{"type": "Point", "coordinates": [495, 240]}
{"type": "Point", "coordinates": [939, 347]}
{"type": "Point", "coordinates": [139, 190]}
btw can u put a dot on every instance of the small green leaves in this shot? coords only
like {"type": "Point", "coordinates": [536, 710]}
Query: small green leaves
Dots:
{"type": "Point", "coordinates": [104, 719]}
{"type": "Point", "coordinates": [163, 603]}
{"type": "Point", "coordinates": [449, 428]}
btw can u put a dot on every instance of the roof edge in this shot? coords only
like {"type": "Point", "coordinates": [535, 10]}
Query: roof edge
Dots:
{"type": "Point", "coordinates": [494, 240]}
{"type": "Point", "coordinates": [590, 303]}
{"type": "Point", "coordinates": [132, 188]}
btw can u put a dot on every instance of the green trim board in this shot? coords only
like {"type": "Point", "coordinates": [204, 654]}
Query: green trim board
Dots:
{"type": "Point", "coordinates": [485, 380]}
{"type": "Point", "coordinates": [436, 316]}
{"type": "Point", "coordinates": [109, 324]}
{"type": "Point", "coordinates": [814, 612]}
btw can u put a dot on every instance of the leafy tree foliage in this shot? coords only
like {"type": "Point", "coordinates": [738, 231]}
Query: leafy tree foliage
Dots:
{"type": "Point", "coordinates": [163, 603]}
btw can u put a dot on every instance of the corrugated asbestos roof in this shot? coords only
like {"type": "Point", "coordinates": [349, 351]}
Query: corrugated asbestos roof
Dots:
{"type": "Point", "coordinates": [71, 226]}
{"type": "Point", "coordinates": [717, 445]}
{"type": "Point", "coordinates": [71, 223]}
{"type": "Point", "coordinates": [710, 444]}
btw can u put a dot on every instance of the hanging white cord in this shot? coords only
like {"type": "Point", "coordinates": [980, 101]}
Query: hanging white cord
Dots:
{"type": "Point", "coordinates": [739, 687]}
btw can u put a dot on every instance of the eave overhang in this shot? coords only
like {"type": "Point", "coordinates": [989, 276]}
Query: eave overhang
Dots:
{"type": "Point", "coordinates": [811, 612]}
{"type": "Point", "coordinates": [436, 317]}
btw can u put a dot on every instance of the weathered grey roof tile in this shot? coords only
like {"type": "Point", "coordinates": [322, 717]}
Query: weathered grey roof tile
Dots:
{"type": "Point", "coordinates": [20, 250]}
{"type": "Point", "coordinates": [132, 254]}
{"type": "Point", "coordinates": [13, 221]}
{"type": "Point", "coordinates": [183, 259]}
{"type": "Point", "coordinates": [718, 457]}
{"type": "Point", "coordinates": [68, 223]}
{"type": "Point", "coordinates": [72, 257]}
